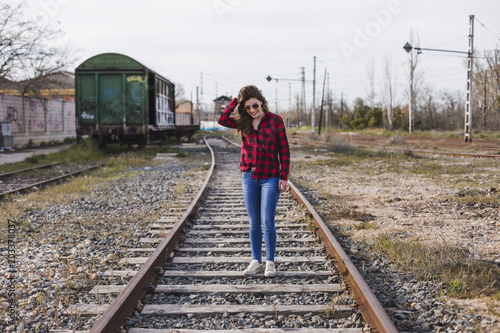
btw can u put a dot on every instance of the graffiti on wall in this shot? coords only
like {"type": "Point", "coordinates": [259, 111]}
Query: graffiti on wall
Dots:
{"type": "Point", "coordinates": [111, 104]}
{"type": "Point", "coordinates": [136, 85]}
{"type": "Point", "coordinates": [33, 116]}
{"type": "Point", "coordinates": [55, 121]}
{"type": "Point", "coordinates": [36, 116]}
{"type": "Point", "coordinates": [12, 116]}
{"type": "Point", "coordinates": [88, 109]}
{"type": "Point", "coordinates": [70, 118]}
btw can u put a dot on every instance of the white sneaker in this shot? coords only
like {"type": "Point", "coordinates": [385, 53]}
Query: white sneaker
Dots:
{"type": "Point", "coordinates": [255, 267]}
{"type": "Point", "coordinates": [270, 269]}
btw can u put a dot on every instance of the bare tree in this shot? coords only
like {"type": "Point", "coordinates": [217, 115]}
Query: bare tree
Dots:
{"type": "Point", "coordinates": [482, 83]}
{"type": "Point", "coordinates": [370, 71]}
{"type": "Point", "coordinates": [28, 50]}
{"type": "Point", "coordinates": [488, 89]}
{"type": "Point", "coordinates": [180, 91]}
{"type": "Point", "coordinates": [452, 110]}
{"type": "Point", "coordinates": [428, 109]}
{"type": "Point", "coordinates": [389, 89]}
{"type": "Point", "coordinates": [493, 61]}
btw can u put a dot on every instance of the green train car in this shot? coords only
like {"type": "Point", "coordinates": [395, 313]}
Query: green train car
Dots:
{"type": "Point", "coordinates": [119, 100]}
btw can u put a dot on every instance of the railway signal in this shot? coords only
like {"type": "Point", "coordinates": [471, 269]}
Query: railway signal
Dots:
{"type": "Point", "coordinates": [468, 103]}
{"type": "Point", "coordinates": [303, 93]}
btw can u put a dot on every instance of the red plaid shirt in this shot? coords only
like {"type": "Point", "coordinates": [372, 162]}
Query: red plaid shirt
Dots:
{"type": "Point", "coordinates": [265, 150]}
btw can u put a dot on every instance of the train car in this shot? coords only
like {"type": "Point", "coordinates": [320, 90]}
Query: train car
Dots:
{"type": "Point", "coordinates": [119, 100]}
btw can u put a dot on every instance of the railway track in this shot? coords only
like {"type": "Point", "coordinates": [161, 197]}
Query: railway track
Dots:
{"type": "Point", "coordinates": [372, 144]}
{"type": "Point", "coordinates": [192, 280]}
{"type": "Point", "coordinates": [22, 180]}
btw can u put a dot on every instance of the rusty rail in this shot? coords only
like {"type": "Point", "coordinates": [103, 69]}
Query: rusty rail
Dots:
{"type": "Point", "coordinates": [2, 175]}
{"type": "Point", "coordinates": [47, 181]}
{"type": "Point", "coordinates": [320, 144]}
{"type": "Point", "coordinates": [125, 303]}
{"type": "Point", "coordinates": [455, 154]}
{"type": "Point", "coordinates": [368, 304]}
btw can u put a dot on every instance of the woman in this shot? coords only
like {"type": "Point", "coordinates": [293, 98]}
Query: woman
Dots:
{"type": "Point", "coordinates": [265, 161]}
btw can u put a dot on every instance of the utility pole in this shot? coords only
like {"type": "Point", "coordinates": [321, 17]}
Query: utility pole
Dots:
{"type": "Point", "coordinates": [410, 106]}
{"type": "Point", "coordinates": [198, 103]}
{"type": "Point", "coordinates": [313, 120]}
{"type": "Point", "coordinates": [469, 100]}
{"type": "Point", "coordinates": [341, 109]}
{"type": "Point", "coordinates": [201, 93]}
{"type": "Point", "coordinates": [303, 97]}
{"type": "Point", "coordinates": [276, 107]}
{"type": "Point", "coordinates": [192, 118]}
{"type": "Point", "coordinates": [322, 101]}
{"type": "Point", "coordinates": [328, 102]}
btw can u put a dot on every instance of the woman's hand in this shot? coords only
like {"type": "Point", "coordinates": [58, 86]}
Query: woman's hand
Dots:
{"type": "Point", "coordinates": [234, 102]}
{"type": "Point", "coordinates": [282, 185]}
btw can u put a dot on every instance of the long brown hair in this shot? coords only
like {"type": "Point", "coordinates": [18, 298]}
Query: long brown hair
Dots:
{"type": "Point", "coordinates": [241, 117]}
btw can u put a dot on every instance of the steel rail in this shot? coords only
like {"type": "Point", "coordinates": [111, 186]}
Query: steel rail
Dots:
{"type": "Point", "coordinates": [47, 181]}
{"type": "Point", "coordinates": [367, 302]}
{"type": "Point", "coordinates": [320, 144]}
{"type": "Point", "coordinates": [124, 305]}
{"type": "Point", "coordinates": [2, 175]}
{"type": "Point", "coordinates": [449, 153]}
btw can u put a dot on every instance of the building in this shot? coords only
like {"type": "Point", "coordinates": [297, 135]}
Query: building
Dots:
{"type": "Point", "coordinates": [220, 104]}
{"type": "Point", "coordinates": [185, 107]}
{"type": "Point", "coordinates": [59, 85]}
{"type": "Point", "coordinates": [39, 110]}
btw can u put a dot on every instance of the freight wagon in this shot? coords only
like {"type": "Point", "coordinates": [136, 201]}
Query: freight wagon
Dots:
{"type": "Point", "coordinates": [119, 100]}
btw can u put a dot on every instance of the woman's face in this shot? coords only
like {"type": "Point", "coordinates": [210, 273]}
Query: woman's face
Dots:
{"type": "Point", "coordinates": [253, 108]}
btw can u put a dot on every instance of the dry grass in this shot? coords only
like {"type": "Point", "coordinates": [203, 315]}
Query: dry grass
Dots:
{"type": "Point", "coordinates": [113, 166]}
{"type": "Point", "coordinates": [13, 206]}
{"type": "Point", "coordinates": [432, 191]}
{"type": "Point", "coordinates": [463, 275]}
{"type": "Point", "coordinates": [489, 197]}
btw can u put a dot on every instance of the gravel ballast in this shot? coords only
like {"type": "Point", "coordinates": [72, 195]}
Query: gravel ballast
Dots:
{"type": "Point", "coordinates": [63, 248]}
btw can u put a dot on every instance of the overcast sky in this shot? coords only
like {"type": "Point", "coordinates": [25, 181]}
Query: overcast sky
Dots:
{"type": "Point", "coordinates": [240, 42]}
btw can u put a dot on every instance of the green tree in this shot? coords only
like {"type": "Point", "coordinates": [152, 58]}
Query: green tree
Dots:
{"type": "Point", "coordinates": [360, 115]}
{"type": "Point", "coordinates": [346, 120]}
{"type": "Point", "coordinates": [375, 117]}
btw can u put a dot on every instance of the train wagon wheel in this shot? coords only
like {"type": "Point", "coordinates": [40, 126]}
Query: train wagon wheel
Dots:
{"type": "Point", "coordinates": [143, 141]}
{"type": "Point", "coordinates": [99, 140]}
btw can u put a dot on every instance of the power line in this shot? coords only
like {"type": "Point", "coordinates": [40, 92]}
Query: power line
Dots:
{"type": "Point", "coordinates": [491, 32]}
{"type": "Point", "coordinates": [450, 41]}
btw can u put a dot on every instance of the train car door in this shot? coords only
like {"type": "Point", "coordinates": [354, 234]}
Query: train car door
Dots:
{"type": "Point", "coordinates": [135, 103]}
{"type": "Point", "coordinates": [88, 99]}
{"type": "Point", "coordinates": [111, 99]}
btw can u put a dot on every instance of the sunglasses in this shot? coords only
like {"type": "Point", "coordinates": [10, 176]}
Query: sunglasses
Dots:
{"type": "Point", "coordinates": [255, 106]}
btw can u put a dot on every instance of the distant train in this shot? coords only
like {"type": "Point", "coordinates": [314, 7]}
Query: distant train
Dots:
{"type": "Point", "coordinates": [119, 100]}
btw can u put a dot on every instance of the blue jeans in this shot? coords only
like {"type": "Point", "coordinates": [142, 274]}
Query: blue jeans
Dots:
{"type": "Point", "coordinates": [261, 198]}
